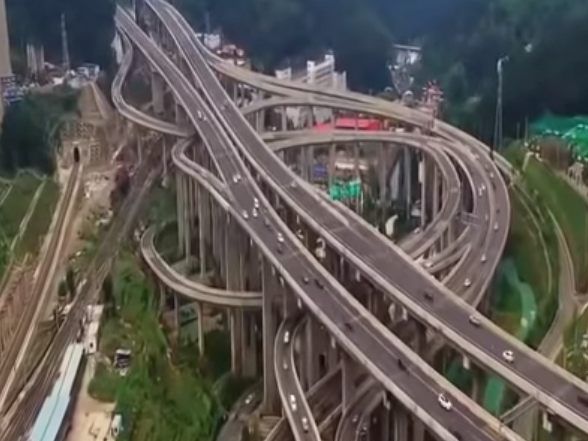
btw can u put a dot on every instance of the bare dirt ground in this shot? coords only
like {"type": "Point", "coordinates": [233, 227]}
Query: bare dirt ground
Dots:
{"type": "Point", "coordinates": [91, 419]}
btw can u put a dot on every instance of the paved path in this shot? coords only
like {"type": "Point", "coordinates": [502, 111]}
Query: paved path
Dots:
{"type": "Point", "coordinates": [552, 343]}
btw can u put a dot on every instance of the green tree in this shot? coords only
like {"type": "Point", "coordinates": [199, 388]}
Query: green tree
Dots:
{"type": "Point", "coordinates": [62, 291]}
{"type": "Point", "coordinates": [70, 280]}
{"type": "Point", "coordinates": [30, 130]}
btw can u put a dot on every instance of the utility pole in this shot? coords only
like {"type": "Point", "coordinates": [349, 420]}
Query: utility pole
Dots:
{"type": "Point", "coordinates": [497, 145]}
{"type": "Point", "coordinates": [64, 46]}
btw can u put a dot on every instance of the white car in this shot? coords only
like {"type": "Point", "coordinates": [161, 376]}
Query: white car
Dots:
{"type": "Point", "coordinates": [428, 264]}
{"type": "Point", "coordinates": [305, 426]}
{"type": "Point", "coordinates": [467, 282]}
{"type": "Point", "coordinates": [236, 178]}
{"type": "Point", "coordinates": [285, 366]}
{"type": "Point", "coordinates": [495, 226]}
{"type": "Point", "coordinates": [245, 214]}
{"type": "Point", "coordinates": [293, 405]}
{"type": "Point", "coordinates": [199, 113]}
{"type": "Point", "coordinates": [254, 212]}
{"type": "Point", "coordinates": [280, 238]}
{"type": "Point", "coordinates": [483, 258]}
{"type": "Point", "coordinates": [508, 356]}
{"type": "Point", "coordinates": [256, 202]}
{"type": "Point", "coordinates": [249, 399]}
{"type": "Point", "coordinates": [474, 320]}
{"type": "Point", "coordinates": [287, 337]}
{"type": "Point", "coordinates": [444, 402]}
{"type": "Point", "coordinates": [355, 419]}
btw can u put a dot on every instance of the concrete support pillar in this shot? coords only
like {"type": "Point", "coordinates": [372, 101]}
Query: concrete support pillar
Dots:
{"type": "Point", "coordinates": [202, 213]}
{"type": "Point", "coordinates": [157, 93]}
{"type": "Point", "coordinates": [400, 417]}
{"type": "Point", "coordinates": [181, 117]}
{"type": "Point", "coordinates": [311, 347]}
{"type": "Point", "coordinates": [436, 189]}
{"type": "Point", "coordinates": [187, 224]}
{"type": "Point", "coordinates": [177, 314]}
{"type": "Point", "coordinates": [271, 399]}
{"type": "Point", "coordinates": [249, 345]}
{"type": "Point", "coordinates": [384, 415]}
{"type": "Point", "coordinates": [258, 122]}
{"type": "Point", "coordinates": [478, 377]}
{"type": "Point", "coordinates": [420, 339]}
{"type": "Point", "coordinates": [180, 210]}
{"type": "Point", "coordinates": [407, 180]}
{"type": "Point", "coordinates": [356, 169]}
{"type": "Point", "coordinates": [284, 119]}
{"type": "Point", "coordinates": [418, 430]}
{"type": "Point", "coordinates": [423, 181]}
{"type": "Point", "coordinates": [234, 283]}
{"type": "Point", "coordinates": [331, 166]}
{"type": "Point", "coordinates": [382, 173]}
{"type": "Point", "coordinates": [200, 312]}
{"type": "Point", "coordinates": [236, 319]}
{"type": "Point", "coordinates": [310, 162]}
{"type": "Point", "coordinates": [349, 371]}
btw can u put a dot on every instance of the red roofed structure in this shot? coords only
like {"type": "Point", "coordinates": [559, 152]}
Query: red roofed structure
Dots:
{"type": "Point", "coordinates": [348, 123]}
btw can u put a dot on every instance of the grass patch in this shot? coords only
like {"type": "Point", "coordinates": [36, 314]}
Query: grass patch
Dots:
{"type": "Point", "coordinates": [40, 220]}
{"type": "Point", "coordinates": [525, 246]}
{"type": "Point", "coordinates": [162, 205]}
{"type": "Point", "coordinates": [575, 354]}
{"type": "Point", "coordinates": [166, 242]}
{"type": "Point", "coordinates": [17, 203]}
{"type": "Point", "coordinates": [167, 394]}
{"type": "Point", "coordinates": [570, 210]}
{"type": "Point", "coordinates": [105, 384]}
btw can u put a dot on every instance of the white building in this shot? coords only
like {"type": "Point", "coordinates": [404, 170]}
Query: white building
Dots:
{"type": "Point", "coordinates": [321, 74]}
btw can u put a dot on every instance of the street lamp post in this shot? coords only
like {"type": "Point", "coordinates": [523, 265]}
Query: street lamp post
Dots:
{"type": "Point", "coordinates": [498, 118]}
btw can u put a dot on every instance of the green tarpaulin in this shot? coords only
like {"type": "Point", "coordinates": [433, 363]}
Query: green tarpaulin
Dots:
{"type": "Point", "coordinates": [342, 191]}
{"type": "Point", "coordinates": [574, 130]}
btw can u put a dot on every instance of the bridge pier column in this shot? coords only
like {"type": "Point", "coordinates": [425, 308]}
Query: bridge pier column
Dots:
{"type": "Point", "coordinates": [284, 119]}
{"type": "Point", "coordinates": [408, 180]}
{"type": "Point", "coordinates": [157, 92]}
{"type": "Point", "coordinates": [418, 430]}
{"type": "Point", "coordinates": [177, 315]}
{"type": "Point", "coordinates": [180, 210]}
{"type": "Point", "coordinates": [382, 173]}
{"type": "Point", "coordinates": [477, 383]}
{"type": "Point", "coordinates": [331, 165]}
{"type": "Point", "coordinates": [312, 332]}
{"type": "Point", "coordinates": [384, 415]}
{"type": "Point", "coordinates": [200, 312]}
{"type": "Point", "coordinates": [258, 122]}
{"type": "Point", "coordinates": [180, 116]}
{"type": "Point", "coordinates": [400, 418]}
{"type": "Point", "coordinates": [423, 181]}
{"type": "Point", "coordinates": [202, 222]}
{"type": "Point", "coordinates": [236, 319]}
{"type": "Point", "coordinates": [249, 348]}
{"type": "Point", "coordinates": [234, 283]}
{"type": "Point", "coordinates": [271, 400]}
{"type": "Point", "coordinates": [187, 201]}
{"type": "Point", "coordinates": [349, 374]}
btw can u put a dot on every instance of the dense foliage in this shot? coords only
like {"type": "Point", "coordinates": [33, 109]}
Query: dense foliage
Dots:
{"type": "Point", "coordinates": [90, 27]}
{"type": "Point", "coordinates": [462, 41]}
{"type": "Point", "coordinates": [30, 130]}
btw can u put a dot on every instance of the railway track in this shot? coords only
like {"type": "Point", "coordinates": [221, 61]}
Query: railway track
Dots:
{"type": "Point", "coordinates": [41, 285]}
{"type": "Point", "coordinates": [30, 399]}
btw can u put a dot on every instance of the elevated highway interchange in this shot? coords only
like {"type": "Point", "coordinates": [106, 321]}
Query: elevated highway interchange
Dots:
{"type": "Point", "coordinates": [249, 175]}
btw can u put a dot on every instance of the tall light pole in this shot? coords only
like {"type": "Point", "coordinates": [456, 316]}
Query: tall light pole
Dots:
{"type": "Point", "coordinates": [498, 118]}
